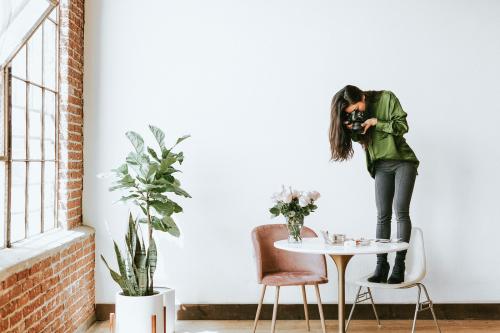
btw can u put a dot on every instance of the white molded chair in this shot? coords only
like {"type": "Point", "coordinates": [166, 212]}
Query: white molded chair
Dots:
{"type": "Point", "coordinates": [415, 272]}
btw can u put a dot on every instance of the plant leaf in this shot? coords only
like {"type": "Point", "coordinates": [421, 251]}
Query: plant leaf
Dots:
{"type": "Point", "coordinates": [136, 140]}
{"type": "Point", "coordinates": [164, 208]}
{"type": "Point", "coordinates": [152, 258]}
{"type": "Point", "coordinates": [159, 135]}
{"type": "Point", "coordinates": [171, 226]}
{"type": "Point", "coordinates": [179, 140]}
{"type": "Point", "coordinates": [275, 211]}
{"type": "Point", "coordinates": [152, 152]}
{"type": "Point", "coordinates": [123, 270]}
{"type": "Point", "coordinates": [121, 170]}
{"type": "Point", "coordinates": [116, 277]}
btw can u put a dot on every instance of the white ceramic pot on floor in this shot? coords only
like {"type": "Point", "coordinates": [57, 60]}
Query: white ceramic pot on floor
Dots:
{"type": "Point", "coordinates": [133, 314]}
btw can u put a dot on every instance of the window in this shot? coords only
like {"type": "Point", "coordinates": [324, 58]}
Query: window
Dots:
{"type": "Point", "coordinates": [28, 143]}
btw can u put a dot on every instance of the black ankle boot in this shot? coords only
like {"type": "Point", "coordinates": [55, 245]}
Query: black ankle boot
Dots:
{"type": "Point", "coordinates": [380, 274]}
{"type": "Point", "coordinates": [398, 272]}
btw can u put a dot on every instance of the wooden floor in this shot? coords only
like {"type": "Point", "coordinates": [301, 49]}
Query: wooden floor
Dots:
{"type": "Point", "coordinates": [231, 326]}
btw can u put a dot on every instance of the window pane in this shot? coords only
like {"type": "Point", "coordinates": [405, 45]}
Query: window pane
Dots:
{"type": "Point", "coordinates": [34, 198]}
{"type": "Point", "coordinates": [17, 201]}
{"type": "Point", "coordinates": [2, 205]}
{"type": "Point", "coordinates": [49, 125]}
{"type": "Point", "coordinates": [49, 55]}
{"type": "Point", "coordinates": [35, 122]}
{"type": "Point", "coordinates": [35, 57]}
{"type": "Point", "coordinates": [49, 196]}
{"type": "Point", "coordinates": [19, 64]}
{"type": "Point", "coordinates": [18, 118]}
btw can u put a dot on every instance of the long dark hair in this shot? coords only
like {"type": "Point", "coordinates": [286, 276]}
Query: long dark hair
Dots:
{"type": "Point", "coordinates": [340, 135]}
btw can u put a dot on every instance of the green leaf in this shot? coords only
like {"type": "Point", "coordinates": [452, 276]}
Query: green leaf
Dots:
{"type": "Point", "coordinates": [140, 255]}
{"type": "Point", "coordinates": [131, 274]}
{"type": "Point", "coordinates": [275, 211]}
{"type": "Point", "coordinates": [177, 190]}
{"type": "Point", "coordinates": [152, 169]}
{"type": "Point", "coordinates": [152, 257]}
{"type": "Point", "coordinates": [121, 170]}
{"type": "Point", "coordinates": [142, 280]}
{"type": "Point", "coordinates": [152, 152]}
{"type": "Point", "coordinates": [180, 157]}
{"type": "Point", "coordinates": [177, 208]}
{"type": "Point", "coordinates": [131, 236]}
{"type": "Point", "coordinates": [164, 208]}
{"type": "Point", "coordinates": [172, 226]}
{"type": "Point", "coordinates": [123, 270]}
{"type": "Point", "coordinates": [179, 140]}
{"type": "Point", "coordinates": [116, 277]}
{"type": "Point", "coordinates": [129, 197]}
{"type": "Point", "coordinates": [166, 224]}
{"type": "Point", "coordinates": [165, 152]}
{"type": "Point", "coordinates": [159, 135]}
{"type": "Point", "coordinates": [136, 140]}
{"type": "Point", "coordinates": [167, 162]}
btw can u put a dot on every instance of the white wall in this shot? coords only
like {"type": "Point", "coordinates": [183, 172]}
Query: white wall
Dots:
{"type": "Point", "coordinates": [252, 81]}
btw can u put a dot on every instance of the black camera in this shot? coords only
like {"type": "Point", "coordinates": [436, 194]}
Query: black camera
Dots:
{"type": "Point", "coordinates": [355, 118]}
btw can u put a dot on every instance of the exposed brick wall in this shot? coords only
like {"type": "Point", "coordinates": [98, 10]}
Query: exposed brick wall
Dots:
{"type": "Point", "coordinates": [54, 295]}
{"type": "Point", "coordinates": [57, 293]}
{"type": "Point", "coordinates": [71, 113]}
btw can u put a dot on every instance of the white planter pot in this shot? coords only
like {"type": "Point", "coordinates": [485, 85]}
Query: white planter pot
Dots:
{"type": "Point", "coordinates": [133, 314]}
{"type": "Point", "coordinates": [171, 310]}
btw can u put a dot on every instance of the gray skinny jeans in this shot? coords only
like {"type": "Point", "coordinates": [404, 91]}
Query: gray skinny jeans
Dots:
{"type": "Point", "coordinates": [394, 182]}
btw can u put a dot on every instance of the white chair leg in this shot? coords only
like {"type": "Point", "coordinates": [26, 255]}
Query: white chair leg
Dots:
{"type": "Point", "coordinates": [320, 309]}
{"type": "Point", "coordinates": [352, 309]}
{"type": "Point", "coordinates": [275, 309]}
{"type": "Point", "coordinates": [306, 312]}
{"type": "Point", "coordinates": [417, 307]}
{"type": "Point", "coordinates": [374, 309]}
{"type": "Point", "coordinates": [259, 307]}
{"type": "Point", "coordinates": [431, 307]}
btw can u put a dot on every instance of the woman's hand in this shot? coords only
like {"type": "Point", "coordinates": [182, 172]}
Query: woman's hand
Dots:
{"type": "Point", "coordinates": [369, 123]}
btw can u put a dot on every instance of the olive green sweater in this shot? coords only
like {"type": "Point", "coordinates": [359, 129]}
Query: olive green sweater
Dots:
{"type": "Point", "coordinates": [387, 141]}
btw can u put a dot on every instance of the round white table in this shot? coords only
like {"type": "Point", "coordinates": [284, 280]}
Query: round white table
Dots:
{"type": "Point", "coordinates": [341, 254]}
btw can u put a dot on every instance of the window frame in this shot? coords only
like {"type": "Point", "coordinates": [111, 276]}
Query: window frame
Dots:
{"type": "Point", "coordinates": [6, 158]}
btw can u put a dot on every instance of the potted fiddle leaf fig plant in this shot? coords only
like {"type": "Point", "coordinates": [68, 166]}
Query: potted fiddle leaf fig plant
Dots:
{"type": "Point", "coordinates": [146, 180]}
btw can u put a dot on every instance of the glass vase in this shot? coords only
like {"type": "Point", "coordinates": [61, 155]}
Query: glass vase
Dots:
{"type": "Point", "coordinates": [294, 225]}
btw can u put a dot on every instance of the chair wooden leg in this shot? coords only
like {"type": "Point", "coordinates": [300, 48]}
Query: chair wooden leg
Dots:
{"type": "Point", "coordinates": [275, 309]}
{"type": "Point", "coordinates": [306, 313]}
{"type": "Point", "coordinates": [320, 308]}
{"type": "Point", "coordinates": [112, 322]}
{"type": "Point", "coordinates": [259, 307]}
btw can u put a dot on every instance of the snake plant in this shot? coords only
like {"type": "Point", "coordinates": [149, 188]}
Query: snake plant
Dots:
{"type": "Point", "coordinates": [146, 177]}
{"type": "Point", "coordinates": [136, 268]}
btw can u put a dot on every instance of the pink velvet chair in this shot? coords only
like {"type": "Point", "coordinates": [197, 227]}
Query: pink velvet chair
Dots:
{"type": "Point", "coordinates": [280, 268]}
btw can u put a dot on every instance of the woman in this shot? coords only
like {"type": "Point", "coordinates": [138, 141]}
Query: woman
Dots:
{"type": "Point", "coordinates": [390, 161]}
